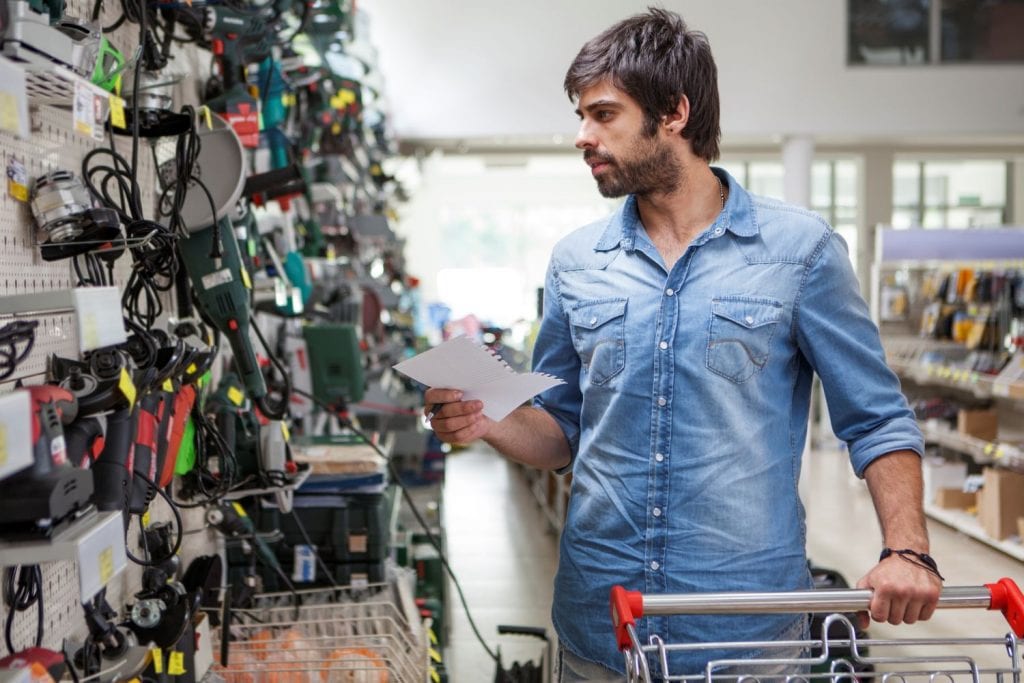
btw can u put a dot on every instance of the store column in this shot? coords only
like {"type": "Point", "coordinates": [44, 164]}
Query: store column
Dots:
{"type": "Point", "coordinates": [797, 157]}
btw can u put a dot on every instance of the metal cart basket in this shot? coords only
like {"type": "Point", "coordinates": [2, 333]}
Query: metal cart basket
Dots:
{"type": "Point", "coordinates": [945, 660]}
{"type": "Point", "coordinates": [341, 635]}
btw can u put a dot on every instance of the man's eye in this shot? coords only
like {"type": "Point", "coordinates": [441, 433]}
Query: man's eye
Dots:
{"type": "Point", "coordinates": [603, 115]}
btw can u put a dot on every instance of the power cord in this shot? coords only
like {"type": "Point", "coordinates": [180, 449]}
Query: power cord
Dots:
{"type": "Point", "coordinates": [179, 525]}
{"type": "Point", "coordinates": [23, 588]}
{"type": "Point", "coordinates": [412, 506]}
{"type": "Point", "coordinates": [11, 335]}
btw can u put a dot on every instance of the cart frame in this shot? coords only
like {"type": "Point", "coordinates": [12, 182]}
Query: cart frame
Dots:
{"type": "Point", "coordinates": [1003, 595]}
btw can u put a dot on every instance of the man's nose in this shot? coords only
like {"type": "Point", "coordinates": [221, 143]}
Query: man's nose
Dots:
{"type": "Point", "coordinates": [584, 137]}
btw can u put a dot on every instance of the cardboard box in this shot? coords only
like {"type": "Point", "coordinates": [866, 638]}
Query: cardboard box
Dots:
{"type": "Point", "coordinates": [983, 424]}
{"type": "Point", "coordinates": [1001, 502]}
{"type": "Point", "coordinates": [940, 473]}
{"type": "Point", "coordinates": [955, 499]}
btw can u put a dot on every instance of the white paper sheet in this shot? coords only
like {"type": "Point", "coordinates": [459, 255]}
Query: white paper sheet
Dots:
{"type": "Point", "coordinates": [480, 375]}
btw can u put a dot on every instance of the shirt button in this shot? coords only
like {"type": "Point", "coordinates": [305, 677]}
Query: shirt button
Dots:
{"type": "Point", "coordinates": [663, 345]}
{"type": "Point", "coordinates": [659, 457]}
{"type": "Point", "coordinates": [656, 512]}
{"type": "Point", "coordinates": [593, 321]}
{"type": "Point", "coordinates": [654, 565]}
{"type": "Point", "coordinates": [670, 291]}
{"type": "Point", "coordinates": [749, 319]}
{"type": "Point", "coordinates": [662, 401]}
{"type": "Point", "coordinates": [718, 231]}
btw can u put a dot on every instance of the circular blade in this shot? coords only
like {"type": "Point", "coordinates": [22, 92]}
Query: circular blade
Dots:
{"type": "Point", "coordinates": [221, 168]}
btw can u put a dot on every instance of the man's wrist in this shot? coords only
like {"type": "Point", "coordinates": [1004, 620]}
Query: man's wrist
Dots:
{"type": "Point", "coordinates": [921, 559]}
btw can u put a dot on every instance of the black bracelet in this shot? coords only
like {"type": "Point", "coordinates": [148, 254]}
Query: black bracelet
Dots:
{"type": "Point", "coordinates": [922, 560]}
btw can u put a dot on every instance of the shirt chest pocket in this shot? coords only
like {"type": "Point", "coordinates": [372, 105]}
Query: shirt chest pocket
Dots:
{"type": "Point", "coordinates": [740, 335]}
{"type": "Point", "coordinates": [598, 333]}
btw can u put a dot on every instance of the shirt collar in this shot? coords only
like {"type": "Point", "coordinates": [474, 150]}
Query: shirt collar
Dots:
{"type": "Point", "coordinates": [738, 217]}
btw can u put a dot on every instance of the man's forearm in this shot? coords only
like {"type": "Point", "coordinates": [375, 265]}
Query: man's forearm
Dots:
{"type": "Point", "coordinates": [895, 483]}
{"type": "Point", "coordinates": [531, 436]}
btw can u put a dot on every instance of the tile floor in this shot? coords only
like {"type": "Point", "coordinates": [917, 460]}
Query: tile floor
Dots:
{"type": "Point", "coordinates": [505, 557]}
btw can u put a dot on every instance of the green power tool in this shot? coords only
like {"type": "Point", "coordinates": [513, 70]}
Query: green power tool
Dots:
{"type": "Point", "coordinates": [211, 254]}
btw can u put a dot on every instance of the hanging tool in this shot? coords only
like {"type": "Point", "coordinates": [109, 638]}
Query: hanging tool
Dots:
{"type": "Point", "coordinates": [44, 498]}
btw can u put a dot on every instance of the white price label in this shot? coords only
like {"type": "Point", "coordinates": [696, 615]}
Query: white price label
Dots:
{"type": "Point", "coordinates": [217, 278]}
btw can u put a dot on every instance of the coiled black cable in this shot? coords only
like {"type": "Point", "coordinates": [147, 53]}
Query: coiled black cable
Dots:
{"type": "Point", "coordinates": [12, 335]}
{"type": "Point", "coordinates": [23, 588]}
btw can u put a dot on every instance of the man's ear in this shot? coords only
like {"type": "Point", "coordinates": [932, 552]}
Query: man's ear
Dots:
{"type": "Point", "coordinates": [677, 119]}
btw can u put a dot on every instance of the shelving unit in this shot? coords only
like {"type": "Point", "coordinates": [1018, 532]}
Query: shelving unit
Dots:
{"type": "Point", "coordinates": [943, 368]}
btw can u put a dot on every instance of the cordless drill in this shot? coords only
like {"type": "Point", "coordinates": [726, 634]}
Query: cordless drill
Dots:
{"type": "Point", "coordinates": [238, 37]}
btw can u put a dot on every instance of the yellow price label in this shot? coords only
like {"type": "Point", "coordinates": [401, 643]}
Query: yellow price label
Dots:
{"type": "Point", "coordinates": [432, 636]}
{"type": "Point", "coordinates": [90, 332]}
{"type": "Point", "coordinates": [191, 369]}
{"type": "Point", "coordinates": [207, 116]}
{"type": "Point", "coordinates": [435, 655]}
{"type": "Point", "coordinates": [117, 119]}
{"type": "Point", "coordinates": [245, 278]}
{"type": "Point", "coordinates": [239, 509]}
{"type": "Point", "coordinates": [235, 396]}
{"type": "Point", "coordinates": [3, 444]}
{"type": "Point", "coordinates": [106, 559]}
{"type": "Point", "coordinates": [1000, 452]}
{"type": "Point", "coordinates": [17, 190]}
{"type": "Point", "coordinates": [158, 660]}
{"type": "Point", "coordinates": [176, 663]}
{"type": "Point", "coordinates": [168, 386]}
{"type": "Point", "coordinates": [127, 387]}
{"type": "Point", "coordinates": [9, 118]}
{"type": "Point", "coordinates": [145, 519]}
{"type": "Point", "coordinates": [434, 676]}
{"type": "Point", "coordinates": [989, 447]}
{"type": "Point", "coordinates": [336, 128]}
{"type": "Point", "coordinates": [285, 432]}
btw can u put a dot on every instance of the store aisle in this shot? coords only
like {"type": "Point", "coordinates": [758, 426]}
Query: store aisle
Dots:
{"type": "Point", "coordinates": [505, 558]}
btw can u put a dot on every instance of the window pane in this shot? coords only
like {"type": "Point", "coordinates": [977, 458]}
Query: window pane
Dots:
{"type": "Point", "coordinates": [887, 31]}
{"type": "Point", "coordinates": [936, 218]}
{"type": "Point", "coordinates": [766, 178]}
{"type": "Point", "coordinates": [974, 218]}
{"type": "Point", "coordinates": [737, 169]}
{"type": "Point", "coordinates": [821, 186]}
{"type": "Point", "coordinates": [965, 183]}
{"type": "Point", "coordinates": [982, 30]}
{"type": "Point", "coordinates": [904, 218]}
{"type": "Point", "coordinates": [846, 183]}
{"type": "Point", "coordinates": [905, 178]}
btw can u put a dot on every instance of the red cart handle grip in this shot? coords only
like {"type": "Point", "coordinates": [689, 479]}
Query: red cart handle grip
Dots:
{"type": "Point", "coordinates": [1008, 599]}
{"type": "Point", "coordinates": [626, 607]}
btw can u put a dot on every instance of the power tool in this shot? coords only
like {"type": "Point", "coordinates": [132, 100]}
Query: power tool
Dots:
{"type": "Point", "coordinates": [44, 498]}
{"type": "Point", "coordinates": [39, 34]}
{"type": "Point", "coordinates": [238, 38]}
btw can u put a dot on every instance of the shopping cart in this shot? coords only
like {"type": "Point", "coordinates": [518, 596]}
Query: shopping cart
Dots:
{"type": "Point", "coordinates": [953, 659]}
{"type": "Point", "coordinates": [337, 635]}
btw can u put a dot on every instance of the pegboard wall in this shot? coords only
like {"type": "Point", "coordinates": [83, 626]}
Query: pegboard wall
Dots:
{"type": "Point", "coordinates": [54, 144]}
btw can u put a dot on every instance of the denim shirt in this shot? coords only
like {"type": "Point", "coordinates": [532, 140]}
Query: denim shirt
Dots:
{"type": "Point", "coordinates": [686, 409]}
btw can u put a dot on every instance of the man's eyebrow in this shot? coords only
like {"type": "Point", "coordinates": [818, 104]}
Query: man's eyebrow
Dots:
{"type": "Point", "coordinates": [597, 104]}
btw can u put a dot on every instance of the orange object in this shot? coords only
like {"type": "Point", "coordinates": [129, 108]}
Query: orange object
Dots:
{"type": "Point", "coordinates": [354, 665]}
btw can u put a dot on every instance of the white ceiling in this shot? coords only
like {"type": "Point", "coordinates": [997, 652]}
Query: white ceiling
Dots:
{"type": "Point", "coordinates": [489, 72]}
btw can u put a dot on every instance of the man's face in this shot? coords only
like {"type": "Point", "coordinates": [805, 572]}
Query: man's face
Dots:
{"type": "Point", "coordinates": [622, 157]}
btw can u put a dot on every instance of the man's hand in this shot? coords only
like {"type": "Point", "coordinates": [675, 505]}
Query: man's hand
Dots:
{"type": "Point", "coordinates": [902, 592]}
{"type": "Point", "coordinates": [453, 420]}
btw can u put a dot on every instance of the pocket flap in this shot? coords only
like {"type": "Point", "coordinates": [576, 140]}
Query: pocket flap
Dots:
{"type": "Point", "coordinates": [747, 311]}
{"type": "Point", "coordinates": [592, 314]}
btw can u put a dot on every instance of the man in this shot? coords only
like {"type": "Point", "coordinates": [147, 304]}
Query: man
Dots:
{"type": "Point", "coordinates": [688, 327]}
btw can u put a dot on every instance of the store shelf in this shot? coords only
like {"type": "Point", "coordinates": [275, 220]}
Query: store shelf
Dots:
{"type": "Point", "coordinates": [969, 525]}
{"type": "Point", "coordinates": [55, 85]}
{"type": "Point", "coordinates": [981, 451]}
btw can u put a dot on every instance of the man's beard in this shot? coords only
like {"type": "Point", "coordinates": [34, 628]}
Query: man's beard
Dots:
{"type": "Point", "coordinates": [650, 168]}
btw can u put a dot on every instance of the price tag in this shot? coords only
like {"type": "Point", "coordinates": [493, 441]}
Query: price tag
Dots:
{"type": "Point", "coordinates": [168, 386]}
{"type": "Point", "coordinates": [1000, 452]}
{"type": "Point", "coordinates": [435, 655]}
{"type": "Point", "coordinates": [434, 676]}
{"type": "Point", "coordinates": [17, 180]}
{"type": "Point", "coordinates": [176, 663]}
{"type": "Point", "coordinates": [239, 509]}
{"type": "Point", "coordinates": [106, 564]}
{"type": "Point", "coordinates": [235, 396]}
{"type": "Point", "coordinates": [207, 117]}
{"type": "Point", "coordinates": [158, 660]}
{"type": "Point", "coordinates": [145, 519]}
{"type": "Point", "coordinates": [989, 447]}
{"type": "Point", "coordinates": [127, 387]}
{"type": "Point", "coordinates": [245, 278]}
{"type": "Point", "coordinates": [117, 112]}
{"type": "Point", "coordinates": [432, 636]}
{"type": "Point", "coordinates": [284, 432]}
{"type": "Point", "coordinates": [10, 120]}
{"type": "Point", "coordinates": [88, 111]}
{"type": "Point", "coordinates": [90, 332]}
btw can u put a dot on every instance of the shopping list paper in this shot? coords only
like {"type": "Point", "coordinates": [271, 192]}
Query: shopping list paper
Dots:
{"type": "Point", "coordinates": [480, 375]}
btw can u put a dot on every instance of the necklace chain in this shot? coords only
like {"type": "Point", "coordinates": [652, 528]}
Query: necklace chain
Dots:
{"type": "Point", "coordinates": [721, 190]}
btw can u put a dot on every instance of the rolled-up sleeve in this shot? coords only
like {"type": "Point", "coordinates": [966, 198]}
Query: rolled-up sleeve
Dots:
{"type": "Point", "coordinates": [554, 354]}
{"type": "Point", "coordinates": [835, 333]}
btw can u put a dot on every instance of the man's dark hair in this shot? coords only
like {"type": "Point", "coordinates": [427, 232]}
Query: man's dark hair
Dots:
{"type": "Point", "coordinates": [655, 59]}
